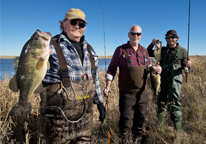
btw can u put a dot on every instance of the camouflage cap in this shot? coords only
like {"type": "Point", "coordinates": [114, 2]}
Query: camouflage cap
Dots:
{"type": "Point", "coordinates": [75, 14]}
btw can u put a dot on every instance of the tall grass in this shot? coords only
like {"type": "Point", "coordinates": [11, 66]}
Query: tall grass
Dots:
{"type": "Point", "coordinates": [28, 129]}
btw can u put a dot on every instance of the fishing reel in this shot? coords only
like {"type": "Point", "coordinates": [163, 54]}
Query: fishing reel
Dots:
{"type": "Point", "coordinates": [187, 70]}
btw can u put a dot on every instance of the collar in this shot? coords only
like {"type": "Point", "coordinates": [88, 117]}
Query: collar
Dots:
{"type": "Point", "coordinates": [129, 46]}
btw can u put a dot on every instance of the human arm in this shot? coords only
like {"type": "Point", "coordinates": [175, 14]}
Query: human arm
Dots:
{"type": "Point", "coordinates": [98, 98]}
{"type": "Point", "coordinates": [111, 72]}
{"type": "Point", "coordinates": [150, 47]}
{"type": "Point", "coordinates": [53, 74]}
{"type": "Point", "coordinates": [186, 63]}
{"type": "Point", "coordinates": [107, 88]}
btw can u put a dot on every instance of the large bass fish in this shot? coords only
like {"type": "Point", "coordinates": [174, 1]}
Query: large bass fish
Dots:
{"type": "Point", "coordinates": [155, 78]}
{"type": "Point", "coordinates": [32, 67]}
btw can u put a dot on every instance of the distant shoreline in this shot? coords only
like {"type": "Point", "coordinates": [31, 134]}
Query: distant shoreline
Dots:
{"type": "Point", "coordinates": [99, 57]}
{"type": "Point", "coordinates": [13, 57]}
{"type": "Point", "coordinates": [8, 57]}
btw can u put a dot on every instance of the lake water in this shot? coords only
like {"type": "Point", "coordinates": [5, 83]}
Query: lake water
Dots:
{"type": "Point", "coordinates": [7, 67]}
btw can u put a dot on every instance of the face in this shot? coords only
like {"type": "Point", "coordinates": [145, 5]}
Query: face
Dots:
{"type": "Point", "coordinates": [135, 35]}
{"type": "Point", "coordinates": [74, 29]}
{"type": "Point", "coordinates": [171, 40]}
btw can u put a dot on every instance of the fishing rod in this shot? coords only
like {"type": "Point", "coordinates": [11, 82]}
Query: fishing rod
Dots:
{"type": "Point", "coordinates": [104, 38]}
{"type": "Point", "coordinates": [188, 39]}
{"type": "Point", "coordinates": [107, 101]}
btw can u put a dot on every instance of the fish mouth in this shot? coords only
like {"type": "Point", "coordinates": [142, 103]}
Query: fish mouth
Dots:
{"type": "Point", "coordinates": [44, 35]}
{"type": "Point", "coordinates": [45, 38]}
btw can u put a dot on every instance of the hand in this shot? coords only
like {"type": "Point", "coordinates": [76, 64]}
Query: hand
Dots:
{"type": "Point", "coordinates": [102, 111]}
{"type": "Point", "coordinates": [158, 68]}
{"type": "Point", "coordinates": [154, 41]}
{"type": "Point", "coordinates": [188, 64]}
{"type": "Point", "coordinates": [106, 91]}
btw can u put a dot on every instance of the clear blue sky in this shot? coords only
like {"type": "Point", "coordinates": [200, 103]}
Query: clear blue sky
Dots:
{"type": "Point", "coordinates": [21, 18]}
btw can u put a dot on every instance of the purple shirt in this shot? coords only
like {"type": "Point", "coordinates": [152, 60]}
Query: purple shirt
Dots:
{"type": "Point", "coordinates": [118, 59]}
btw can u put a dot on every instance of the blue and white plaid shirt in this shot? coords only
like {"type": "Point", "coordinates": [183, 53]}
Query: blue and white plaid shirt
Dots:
{"type": "Point", "coordinates": [74, 65]}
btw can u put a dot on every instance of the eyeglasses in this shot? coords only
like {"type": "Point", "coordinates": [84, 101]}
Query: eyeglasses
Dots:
{"type": "Point", "coordinates": [80, 24]}
{"type": "Point", "coordinates": [133, 33]}
{"type": "Point", "coordinates": [168, 37]}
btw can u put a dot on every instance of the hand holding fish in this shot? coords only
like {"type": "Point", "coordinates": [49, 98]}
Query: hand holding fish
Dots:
{"type": "Point", "coordinates": [154, 41]}
{"type": "Point", "coordinates": [158, 68]}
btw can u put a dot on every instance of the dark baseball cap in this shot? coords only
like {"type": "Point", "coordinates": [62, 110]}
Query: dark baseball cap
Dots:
{"type": "Point", "coordinates": [171, 32]}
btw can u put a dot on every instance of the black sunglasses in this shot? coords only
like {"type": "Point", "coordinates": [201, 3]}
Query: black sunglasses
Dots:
{"type": "Point", "coordinates": [168, 37]}
{"type": "Point", "coordinates": [80, 24]}
{"type": "Point", "coordinates": [133, 33]}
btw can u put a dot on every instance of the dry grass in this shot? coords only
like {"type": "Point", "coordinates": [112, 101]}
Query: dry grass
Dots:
{"type": "Point", "coordinates": [14, 130]}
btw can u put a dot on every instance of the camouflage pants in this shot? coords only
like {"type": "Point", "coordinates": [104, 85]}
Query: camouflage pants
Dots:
{"type": "Point", "coordinates": [59, 131]}
{"type": "Point", "coordinates": [67, 118]}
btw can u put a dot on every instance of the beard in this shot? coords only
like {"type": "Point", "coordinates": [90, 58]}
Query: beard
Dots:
{"type": "Point", "coordinates": [135, 41]}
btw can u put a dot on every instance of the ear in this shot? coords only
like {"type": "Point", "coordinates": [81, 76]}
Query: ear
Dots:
{"type": "Point", "coordinates": [141, 36]}
{"type": "Point", "coordinates": [128, 34]}
{"type": "Point", "coordinates": [64, 24]}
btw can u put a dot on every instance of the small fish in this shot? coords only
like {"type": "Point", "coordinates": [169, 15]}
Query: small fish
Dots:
{"type": "Point", "coordinates": [30, 70]}
{"type": "Point", "coordinates": [158, 51]}
{"type": "Point", "coordinates": [155, 80]}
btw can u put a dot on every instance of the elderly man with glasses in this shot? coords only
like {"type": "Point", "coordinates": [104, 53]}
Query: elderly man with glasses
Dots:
{"type": "Point", "coordinates": [133, 62]}
{"type": "Point", "coordinates": [174, 59]}
{"type": "Point", "coordinates": [71, 85]}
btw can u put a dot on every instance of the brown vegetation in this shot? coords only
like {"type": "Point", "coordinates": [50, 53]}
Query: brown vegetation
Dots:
{"type": "Point", "coordinates": [15, 130]}
{"type": "Point", "coordinates": [8, 57]}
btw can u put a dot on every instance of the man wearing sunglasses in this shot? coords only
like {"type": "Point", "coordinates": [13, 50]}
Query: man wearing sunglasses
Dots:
{"type": "Point", "coordinates": [133, 62]}
{"type": "Point", "coordinates": [173, 61]}
{"type": "Point", "coordinates": [71, 85]}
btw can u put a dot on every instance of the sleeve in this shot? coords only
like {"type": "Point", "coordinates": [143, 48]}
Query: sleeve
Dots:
{"type": "Point", "coordinates": [53, 74]}
{"type": "Point", "coordinates": [98, 98]}
{"type": "Point", "coordinates": [112, 69]}
{"type": "Point", "coordinates": [148, 58]}
{"type": "Point", "coordinates": [184, 57]}
{"type": "Point", "coordinates": [150, 51]}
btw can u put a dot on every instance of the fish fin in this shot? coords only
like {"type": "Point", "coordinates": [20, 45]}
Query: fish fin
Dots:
{"type": "Point", "coordinates": [13, 86]}
{"type": "Point", "coordinates": [40, 63]}
{"type": "Point", "coordinates": [39, 89]}
{"type": "Point", "coordinates": [48, 65]}
{"type": "Point", "coordinates": [20, 108]}
{"type": "Point", "coordinates": [16, 63]}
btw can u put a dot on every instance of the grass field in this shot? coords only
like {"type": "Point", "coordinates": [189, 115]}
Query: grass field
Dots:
{"type": "Point", "coordinates": [14, 130]}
